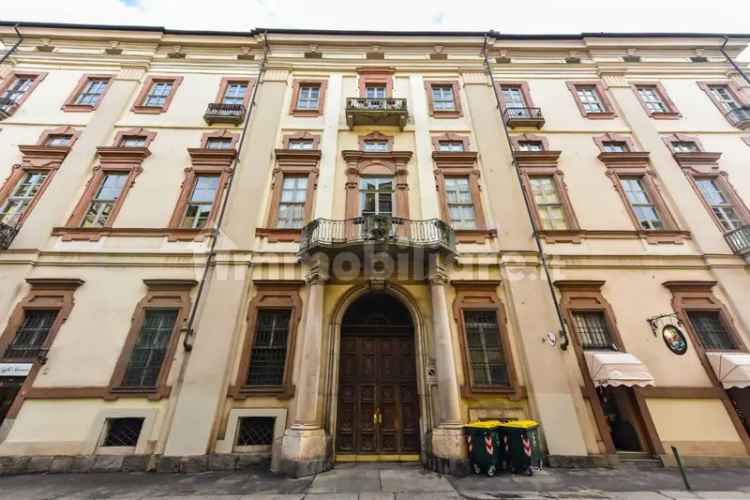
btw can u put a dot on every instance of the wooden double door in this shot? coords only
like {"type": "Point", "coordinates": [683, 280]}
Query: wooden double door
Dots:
{"type": "Point", "coordinates": [378, 405]}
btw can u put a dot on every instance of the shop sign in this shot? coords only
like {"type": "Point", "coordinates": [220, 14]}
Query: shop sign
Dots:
{"type": "Point", "coordinates": [15, 369]}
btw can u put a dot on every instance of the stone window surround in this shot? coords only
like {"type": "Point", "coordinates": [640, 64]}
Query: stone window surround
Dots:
{"type": "Point", "coordinates": [450, 137]}
{"type": "Point", "coordinates": [733, 89]}
{"type": "Point", "coordinates": [375, 136]}
{"type": "Point", "coordinates": [436, 113]}
{"type": "Point", "coordinates": [70, 102]}
{"type": "Point", "coordinates": [301, 135]}
{"type": "Point", "coordinates": [227, 444]}
{"type": "Point", "coordinates": [37, 76]}
{"type": "Point", "coordinates": [601, 89]}
{"type": "Point", "coordinates": [270, 294]}
{"type": "Point", "coordinates": [220, 134]}
{"type": "Point", "coordinates": [672, 112]}
{"type": "Point", "coordinates": [138, 106]}
{"type": "Point", "coordinates": [522, 85]}
{"type": "Point", "coordinates": [695, 171]}
{"type": "Point", "coordinates": [376, 75]}
{"type": "Point", "coordinates": [38, 157]}
{"type": "Point", "coordinates": [600, 140]}
{"type": "Point", "coordinates": [240, 79]}
{"type": "Point", "coordinates": [482, 296]}
{"type": "Point", "coordinates": [678, 137]}
{"type": "Point", "coordinates": [97, 432]}
{"type": "Point", "coordinates": [462, 164]}
{"type": "Point", "coordinates": [45, 293]}
{"type": "Point", "coordinates": [296, 85]}
{"type": "Point", "coordinates": [516, 141]}
{"type": "Point", "coordinates": [148, 135]}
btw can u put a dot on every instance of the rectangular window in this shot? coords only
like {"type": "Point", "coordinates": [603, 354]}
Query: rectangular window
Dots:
{"type": "Point", "coordinates": [219, 143]}
{"type": "Point", "coordinates": [292, 203]}
{"type": "Point", "coordinates": [31, 335]}
{"type": "Point", "coordinates": [530, 146]}
{"type": "Point", "coordinates": [149, 351]}
{"type": "Point", "coordinates": [515, 102]}
{"type": "Point", "coordinates": [24, 193]}
{"type": "Point", "coordinates": [592, 330]}
{"type": "Point", "coordinates": [451, 146]}
{"type": "Point", "coordinates": [375, 146]}
{"type": "Point", "coordinates": [640, 200]}
{"type": "Point", "coordinates": [685, 147]}
{"type": "Point", "coordinates": [123, 432]}
{"type": "Point", "coordinates": [486, 357]}
{"type": "Point", "coordinates": [376, 195]}
{"type": "Point", "coordinates": [443, 98]}
{"type": "Point", "coordinates": [92, 91]}
{"type": "Point", "coordinates": [375, 91]}
{"type": "Point", "coordinates": [548, 204]}
{"type": "Point", "coordinates": [58, 140]}
{"type": "Point", "coordinates": [590, 99]}
{"type": "Point", "coordinates": [157, 94]}
{"type": "Point", "coordinates": [460, 202]}
{"type": "Point", "coordinates": [652, 99]}
{"type": "Point", "coordinates": [268, 357]}
{"type": "Point", "coordinates": [615, 147]}
{"type": "Point", "coordinates": [255, 431]}
{"type": "Point", "coordinates": [133, 141]}
{"type": "Point", "coordinates": [309, 97]}
{"type": "Point", "coordinates": [15, 91]}
{"type": "Point", "coordinates": [724, 97]}
{"type": "Point", "coordinates": [719, 202]}
{"type": "Point", "coordinates": [102, 202]}
{"type": "Point", "coordinates": [305, 144]}
{"type": "Point", "coordinates": [201, 201]}
{"type": "Point", "coordinates": [710, 330]}
{"type": "Point", "coordinates": [235, 93]}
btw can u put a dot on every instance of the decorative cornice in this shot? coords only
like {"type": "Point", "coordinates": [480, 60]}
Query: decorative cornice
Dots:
{"type": "Point", "coordinates": [689, 286]}
{"type": "Point", "coordinates": [33, 151]}
{"type": "Point", "coordinates": [55, 283]}
{"type": "Point", "coordinates": [122, 155]}
{"type": "Point", "coordinates": [476, 283]}
{"type": "Point", "coordinates": [697, 158]}
{"type": "Point", "coordinates": [537, 158]}
{"type": "Point", "coordinates": [394, 156]}
{"type": "Point", "coordinates": [579, 285]}
{"type": "Point", "coordinates": [264, 283]}
{"type": "Point", "coordinates": [169, 284]}
{"type": "Point", "coordinates": [206, 156]}
{"type": "Point", "coordinates": [625, 159]}
{"type": "Point", "coordinates": [298, 155]}
{"type": "Point", "coordinates": [455, 158]}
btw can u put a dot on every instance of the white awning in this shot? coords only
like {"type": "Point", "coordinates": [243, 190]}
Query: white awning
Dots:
{"type": "Point", "coordinates": [611, 368]}
{"type": "Point", "coordinates": [732, 368]}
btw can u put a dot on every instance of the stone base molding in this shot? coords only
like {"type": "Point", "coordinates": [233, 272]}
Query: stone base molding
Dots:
{"type": "Point", "coordinates": [304, 451]}
{"type": "Point", "coordinates": [448, 454]}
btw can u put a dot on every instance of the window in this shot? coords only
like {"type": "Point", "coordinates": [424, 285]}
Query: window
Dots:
{"type": "Point", "coordinates": [123, 432]}
{"type": "Point", "coordinates": [640, 200]}
{"type": "Point", "coordinates": [443, 98]}
{"type": "Point", "coordinates": [548, 204]}
{"type": "Point", "coordinates": [133, 141]}
{"type": "Point", "coordinates": [452, 146]}
{"type": "Point", "coordinates": [373, 91]}
{"type": "Point", "coordinates": [376, 195]}
{"type": "Point", "coordinates": [235, 93]}
{"type": "Point", "coordinates": [92, 91]}
{"type": "Point", "coordinates": [513, 97]}
{"type": "Point", "coordinates": [590, 99]}
{"type": "Point", "coordinates": [710, 330]}
{"type": "Point", "coordinates": [219, 143]}
{"type": "Point", "coordinates": [15, 93]}
{"type": "Point", "coordinates": [292, 204]}
{"type": "Point", "coordinates": [201, 201]}
{"type": "Point", "coordinates": [592, 330]}
{"type": "Point", "coordinates": [720, 203]}
{"type": "Point", "coordinates": [32, 334]}
{"type": "Point", "coordinates": [13, 208]}
{"type": "Point", "coordinates": [487, 362]}
{"type": "Point", "coordinates": [58, 140]}
{"type": "Point", "coordinates": [146, 358]}
{"type": "Point", "coordinates": [306, 144]}
{"type": "Point", "coordinates": [268, 356]}
{"type": "Point", "coordinates": [685, 147]}
{"type": "Point", "coordinates": [309, 97]}
{"type": "Point", "coordinates": [530, 146]}
{"type": "Point", "coordinates": [724, 97]}
{"type": "Point", "coordinates": [615, 147]}
{"type": "Point", "coordinates": [460, 202]}
{"type": "Point", "coordinates": [157, 94]}
{"type": "Point", "coordinates": [652, 99]}
{"type": "Point", "coordinates": [255, 431]}
{"type": "Point", "coordinates": [102, 202]}
{"type": "Point", "coordinates": [375, 146]}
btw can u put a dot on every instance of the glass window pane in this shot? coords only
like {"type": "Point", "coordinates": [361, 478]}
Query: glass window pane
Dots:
{"type": "Point", "coordinates": [268, 356]}
{"type": "Point", "coordinates": [485, 349]}
{"type": "Point", "coordinates": [592, 330]}
{"type": "Point", "coordinates": [148, 354]}
{"type": "Point", "coordinates": [710, 330]}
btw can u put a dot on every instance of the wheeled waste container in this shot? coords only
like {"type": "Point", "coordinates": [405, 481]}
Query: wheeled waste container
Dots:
{"type": "Point", "coordinates": [483, 443]}
{"type": "Point", "coordinates": [519, 440]}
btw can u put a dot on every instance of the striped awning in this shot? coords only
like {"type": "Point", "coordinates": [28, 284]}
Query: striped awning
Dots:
{"type": "Point", "coordinates": [731, 368]}
{"type": "Point", "coordinates": [612, 368]}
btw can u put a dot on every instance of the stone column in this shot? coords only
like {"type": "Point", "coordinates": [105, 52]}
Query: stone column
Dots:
{"type": "Point", "coordinates": [304, 446]}
{"type": "Point", "coordinates": [447, 438]}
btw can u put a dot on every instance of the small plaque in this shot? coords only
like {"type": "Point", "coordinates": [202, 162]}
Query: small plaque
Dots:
{"type": "Point", "coordinates": [15, 369]}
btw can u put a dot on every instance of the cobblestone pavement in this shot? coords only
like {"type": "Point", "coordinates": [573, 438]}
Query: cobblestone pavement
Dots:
{"type": "Point", "coordinates": [383, 482]}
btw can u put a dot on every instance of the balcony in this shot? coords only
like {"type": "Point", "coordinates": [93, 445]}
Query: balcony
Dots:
{"type": "Point", "coordinates": [523, 117]}
{"type": "Point", "coordinates": [376, 111]}
{"type": "Point", "coordinates": [382, 231]}
{"type": "Point", "coordinates": [739, 241]}
{"type": "Point", "coordinates": [740, 117]}
{"type": "Point", "coordinates": [6, 107]}
{"type": "Point", "coordinates": [7, 233]}
{"type": "Point", "coordinates": [218, 112]}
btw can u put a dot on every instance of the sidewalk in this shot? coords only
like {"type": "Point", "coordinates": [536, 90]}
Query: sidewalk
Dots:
{"type": "Point", "coordinates": [383, 482]}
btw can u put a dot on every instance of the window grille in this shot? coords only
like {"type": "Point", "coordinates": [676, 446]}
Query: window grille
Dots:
{"type": "Point", "coordinates": [711, 331]}
{"type": "Point", "coordinates": [123, 431]}
{"type": "Point", "coordinates": [592, 330]}
{"type": "Point", "coordinates": [485, 351]}
{"type": "Point", "coordinates": [268, 357]}
{"type": "Point", "coordinates": [150, 348]}
{"type": "Point", "coordinates": [256, 431]}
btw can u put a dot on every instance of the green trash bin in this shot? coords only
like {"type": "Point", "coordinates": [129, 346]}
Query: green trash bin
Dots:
{"type": "Point", "coordinates": [519, 441]}
{"type": "Point", "coordinates": [483, 443]}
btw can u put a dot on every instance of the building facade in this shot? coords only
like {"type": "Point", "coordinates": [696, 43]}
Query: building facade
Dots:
{"type": "Point", "coordinates": [315, 247]}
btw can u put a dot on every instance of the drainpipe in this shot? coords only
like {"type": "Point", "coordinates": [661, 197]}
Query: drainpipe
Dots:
{"type": "Point", "coordinates": [731, 61]}
{"type": "Point", "coordinates": [15, 46]}
{"type": "Point", "coordinates": [564, 342]}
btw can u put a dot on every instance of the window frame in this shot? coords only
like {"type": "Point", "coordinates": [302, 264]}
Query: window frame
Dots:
{"type": "Point", "coordinates": [139, 105]}
{"type": "Point", "coordinates": [160, 294]}
{"type": "Point", "coordinates": [671, 112]}
{"type": "Point", "coordinates": [649, 183]}
{"type": "Point", "coordinates": [607, 113]}
{"type": "Point", "coordinates": [721, 177]}
{"type": "Point", "coordinates": [375, 136]}
{"type": "Point", "coordinates": [36, 77]}
{"type": "Point", "coordinates": [71, 105]}
{"type": "Point", "coordinates": [457, 112]}
{"type": "Point", "coordinates": [437, 139]}
{"type": "Point", "coordinates": [297, 86]}
{"type": "Point", "coordinates": [732, 88]}
{"type": "Point", "coordinates": [270, 295]}
{"type": "Point", "coordinates": [375, 76]}
{"type": "Point", "coordinates": [224, 85]}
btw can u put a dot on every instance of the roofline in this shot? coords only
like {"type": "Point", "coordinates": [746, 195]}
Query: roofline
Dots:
{"type": "Point", "coordinates": [295, 31]}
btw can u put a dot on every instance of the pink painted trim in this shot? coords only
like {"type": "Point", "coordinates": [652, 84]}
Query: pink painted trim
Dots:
{"type": "Point", "coordinates": [609, 110]}
{"type": "Point", "coordinates": [70, 103]}
{"type": "Point", "coordinates": [138, 107]}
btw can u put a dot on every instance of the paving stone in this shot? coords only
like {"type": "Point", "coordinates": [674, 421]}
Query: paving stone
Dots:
{"type": "Point", "coordinates": [107, 463]}
{"type": "Point", "coordinates": [135, 463]}
{"type": "Point", "coordinates": [61, 464]}
{"type": "Point", "coordinates": [332, 496]}
{"type": "Point", "coordinates": [263, 496]}
{"type": "Point", "coordinates": [194, 464]}
{"type": "Point", "coordinates": [13, 465]}
{"type": "Point", "coordinates": [222, 462]}
{"type": "Point", "coordinates": [82, 463]}
{"type": "Point", "coordinates": [429, 496]}
{"type": "Point", "coordinates": [414, 479]}
{"type": "Point", "coordinates": [39, 464]}
{"type": "Point", "coordinates": [376, 496]}
{"type": "Point", "coordinates": [168, 464]}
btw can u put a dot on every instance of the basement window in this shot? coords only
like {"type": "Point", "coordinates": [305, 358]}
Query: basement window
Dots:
{"type": "Point", "coordinates": [256, 431]}
{"type": "Point", "coordinates": [123, 432]}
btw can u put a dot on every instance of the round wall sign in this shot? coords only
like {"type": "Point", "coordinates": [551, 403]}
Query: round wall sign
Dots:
{"type": "Point", "coordinates": [675, 339]}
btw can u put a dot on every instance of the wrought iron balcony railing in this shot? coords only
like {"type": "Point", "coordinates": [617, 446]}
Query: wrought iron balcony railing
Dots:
{"type": "Point", "coordinates": [376, 111]}
{"type": "Point", "coordinates": [218, 112]}
{"type": "Point", "coordinates": [430, 234]}
{"type": "Point", "coordinates": [26, 353]}
{"type": "Point", "coordinates": [740, 117]}
{"type": "Point", "coordinates": [7, 233]}
{"type": "Point", "coordinates": [523, 117]}
{"type": "Point", "coordinates": [739, 240]}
